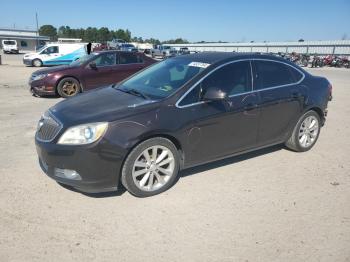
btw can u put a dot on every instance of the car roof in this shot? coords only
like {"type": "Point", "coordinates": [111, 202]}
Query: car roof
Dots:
{"type": "Point", "coordinates": [217, 57]}
{"type": "Point", "coordinates": [112, 51]}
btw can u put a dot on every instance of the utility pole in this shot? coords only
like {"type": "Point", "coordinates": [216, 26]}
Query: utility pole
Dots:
{"type": "Point", "coordinates": [37, 30]}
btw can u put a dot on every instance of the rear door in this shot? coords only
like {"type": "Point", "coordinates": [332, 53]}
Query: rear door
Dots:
{"type": "Point", "coordinates": [280, 97]}
{"type": "Point", "coordinates": [102, 74]}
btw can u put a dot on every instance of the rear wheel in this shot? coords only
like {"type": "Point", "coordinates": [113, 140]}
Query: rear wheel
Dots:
{"type": "Point", "coordinates": [151, 167]}
{"type": "Point", "coordinates": [37, 63]}
{"type": "Point", "coordinates": [68, 87]}
{"type": "Point", "coordinates": [305, 133]}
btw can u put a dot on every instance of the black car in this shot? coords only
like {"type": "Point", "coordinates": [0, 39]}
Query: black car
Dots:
{"type": "Point", "coordinates": [178, 113]}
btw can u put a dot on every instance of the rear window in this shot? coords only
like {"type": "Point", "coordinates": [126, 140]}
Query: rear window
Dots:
{"type": "Point", "coordinates": [128, 58]}
{"type": "Point", "coordinates": [272, 74]}
{"type": "Point", "coordinates": [9, 42]}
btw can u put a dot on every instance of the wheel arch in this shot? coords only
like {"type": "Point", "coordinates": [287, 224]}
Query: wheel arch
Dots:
{"type": "Point", "coordinates": [318, 110]}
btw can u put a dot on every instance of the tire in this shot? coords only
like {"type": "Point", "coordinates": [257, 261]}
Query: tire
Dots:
{"type": "Point", "coordinates": [68, 87]}
{"type": "Point", "coordinates": [302, 138]}
{"type": "Point", "coordinates": [37, 63]}
{"type": "Point", "coordinates": [155, 181]}
{"type": "Point", "coordinates": [153, 55]}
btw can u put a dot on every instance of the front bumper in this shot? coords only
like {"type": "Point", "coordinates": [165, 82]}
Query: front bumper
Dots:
{"type": "Point", "coordinates": [98, 165]}
{"type": "Point", "coordinates": [27, 62]}
{"type": "Point", "coordinates": [41, 91]}
{"type": "Point", "coordinates": [42, 87]}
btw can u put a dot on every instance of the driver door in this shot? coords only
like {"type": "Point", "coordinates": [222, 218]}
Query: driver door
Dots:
{"type": "Point", "coordinates": [50, 55]}
{"type": "Point", "coordinates": [222, 127]}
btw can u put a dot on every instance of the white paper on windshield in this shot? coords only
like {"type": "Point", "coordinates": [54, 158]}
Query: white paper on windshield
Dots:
{"type": "Point", "coordinates": [199, 64]}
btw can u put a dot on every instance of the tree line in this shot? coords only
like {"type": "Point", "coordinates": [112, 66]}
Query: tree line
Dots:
{"type": "Point", "coordinates": [99, 35]}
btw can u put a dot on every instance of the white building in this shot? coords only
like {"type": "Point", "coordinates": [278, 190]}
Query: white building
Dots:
{"type": "Point", "coordinates": [27, 40]}
{"type": "Point", "coordinates": [336, 47]}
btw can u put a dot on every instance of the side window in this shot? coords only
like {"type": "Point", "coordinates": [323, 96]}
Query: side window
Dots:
{"type": "Point", "coordinates": [107, 59]}
{"type": "Point", "coordinates": [50, 50]}
{"type": "Point", "coordinates": [296, 74]}
{"type": "Point", "coordinates": [234, 79]}
{"type": "Point", "coordinates": [271, 74]}
{"type": "Point", "coordinates": [128, 58]}
{"type": "Point", "coordinates": [24, 43]}
{"type": "Point", "coordinates": [192, 97]}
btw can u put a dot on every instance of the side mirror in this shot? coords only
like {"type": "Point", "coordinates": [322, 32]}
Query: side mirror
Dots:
{"type": "Point", "coordinates": [93, 65]}
{"type": "Point", "coordinates": [214, 94]}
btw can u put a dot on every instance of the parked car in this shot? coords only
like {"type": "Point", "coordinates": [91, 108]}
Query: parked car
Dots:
{"type": "Point", "coordinates": [179, 113]}
{"type": "Point", "coordinates": [89, 72]}
{"type": "Point", "coordinates": [9, 46]}
{"type": "Point", "coordinates": [163, 51]}
{"type": "Point", "coordinates": [184, 51]}
{"type": "Point", "coordinates": [115, 43]}
{"type": "Point", "coordinates": [55, 54]}
{"type": "Point", "coordinates": [127, 47]}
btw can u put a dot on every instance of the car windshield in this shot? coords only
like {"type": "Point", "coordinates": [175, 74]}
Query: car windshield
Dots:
{"type": "Point", "coordinates": [41, 49]}
{"type": "Point", "coordinates": [162, 79]}
{"type": "Point", "coordinates": [83, 59]}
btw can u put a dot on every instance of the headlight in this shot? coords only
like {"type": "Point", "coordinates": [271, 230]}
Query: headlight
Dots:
{"type": "Point", "coordinates": [38, 77]}
{"type": "Point", "coordinates": [83, 134]}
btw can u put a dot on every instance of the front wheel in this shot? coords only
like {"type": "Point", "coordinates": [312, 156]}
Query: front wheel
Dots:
{"type": "Point", "coordinates": [305, 133]}
{"type": "Point", "coordinates": [68, 87]}
{"type": "Point", "coordinates": [151, 167]}
{"type": "Point", "coordinates": [37, 63]}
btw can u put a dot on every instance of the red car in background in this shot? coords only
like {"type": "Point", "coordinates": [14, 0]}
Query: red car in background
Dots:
{"type": "Point", "coordinates": [89, 72]}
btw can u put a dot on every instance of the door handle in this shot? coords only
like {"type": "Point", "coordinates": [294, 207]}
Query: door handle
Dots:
{"type": "Point", "coordinates": [250, 106]}
{"type": "Point", "coordinates": [296, 95]}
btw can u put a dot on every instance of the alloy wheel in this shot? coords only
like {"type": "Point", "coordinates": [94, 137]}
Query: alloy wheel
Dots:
{"type": "Point", "coordinates": [70, 88]}
{"type": "Point", "coordinates": [308, 131]}
{"type": "Point", "coordinates": [153, 168]}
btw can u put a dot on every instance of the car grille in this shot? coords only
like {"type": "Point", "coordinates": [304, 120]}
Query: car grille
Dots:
{"type": "Point", "coordinates": [48, 128]}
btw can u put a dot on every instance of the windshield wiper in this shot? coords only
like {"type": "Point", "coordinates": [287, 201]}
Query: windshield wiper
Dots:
{"type": "Point", "coordinates": [133, 92]}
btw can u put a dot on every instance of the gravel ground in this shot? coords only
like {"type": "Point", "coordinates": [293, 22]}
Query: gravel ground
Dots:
{"type": "Point", "coordinates": [271, 205]}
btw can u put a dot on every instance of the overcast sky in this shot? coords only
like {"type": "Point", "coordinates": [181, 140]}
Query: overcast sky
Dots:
{"type": "Point", "coordinates": [208, 20]}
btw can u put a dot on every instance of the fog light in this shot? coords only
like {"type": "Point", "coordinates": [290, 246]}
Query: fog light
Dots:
{"type": "Point", "coordinates": [68, 174]}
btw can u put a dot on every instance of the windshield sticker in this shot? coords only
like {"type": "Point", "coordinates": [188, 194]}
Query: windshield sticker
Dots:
{"type": "Point", "coordinates": [199, 64]}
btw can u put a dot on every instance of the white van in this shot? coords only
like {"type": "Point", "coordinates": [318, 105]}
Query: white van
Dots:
{"type": "Point", "coordinates": [9, 46]}
{"type": "Point", "coordinates": [55, 54]}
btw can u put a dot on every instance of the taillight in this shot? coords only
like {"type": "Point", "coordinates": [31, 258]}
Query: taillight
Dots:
{"type": "Point", "coordinates": [330, 88]}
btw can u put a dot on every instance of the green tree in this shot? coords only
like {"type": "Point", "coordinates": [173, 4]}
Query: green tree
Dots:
{"type": "Point", "coordinates": [103, 35]}
{"type": "Point", "coordinates": [48, 30]}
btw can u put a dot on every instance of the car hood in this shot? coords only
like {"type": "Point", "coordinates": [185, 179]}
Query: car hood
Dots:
{"type": "Point", "coordinates": [102, 104]}
{"type": "Point", "coordinates": [53, 69]}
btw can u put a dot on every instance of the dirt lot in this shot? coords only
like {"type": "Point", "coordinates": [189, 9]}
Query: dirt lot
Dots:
{"type": "Point", "coordinates": [272, 205]}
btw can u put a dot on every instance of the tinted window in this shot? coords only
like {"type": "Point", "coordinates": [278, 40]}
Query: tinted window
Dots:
{"type": "Point", "coordinates": [9, 42]}
{"type": "Point", "coordinates": [128, 58]}
{"type": "Point", "coordinates": [296, 74]}
{"type": "Point", "coordinates": [107, 59]}
{"type": "Point", "coordinates": [270, 74]}
{"type": "Point", "coordinates": [234, 79]}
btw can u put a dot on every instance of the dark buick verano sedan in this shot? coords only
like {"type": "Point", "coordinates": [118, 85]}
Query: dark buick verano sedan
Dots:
{"type": "Point", "coordinates": [179, 113]}
{"type": "Point", "coordinates": [89, 72]}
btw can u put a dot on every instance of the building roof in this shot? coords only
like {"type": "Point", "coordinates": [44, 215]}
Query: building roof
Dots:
{"type": "Point", "coordinates": [21, 34]}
